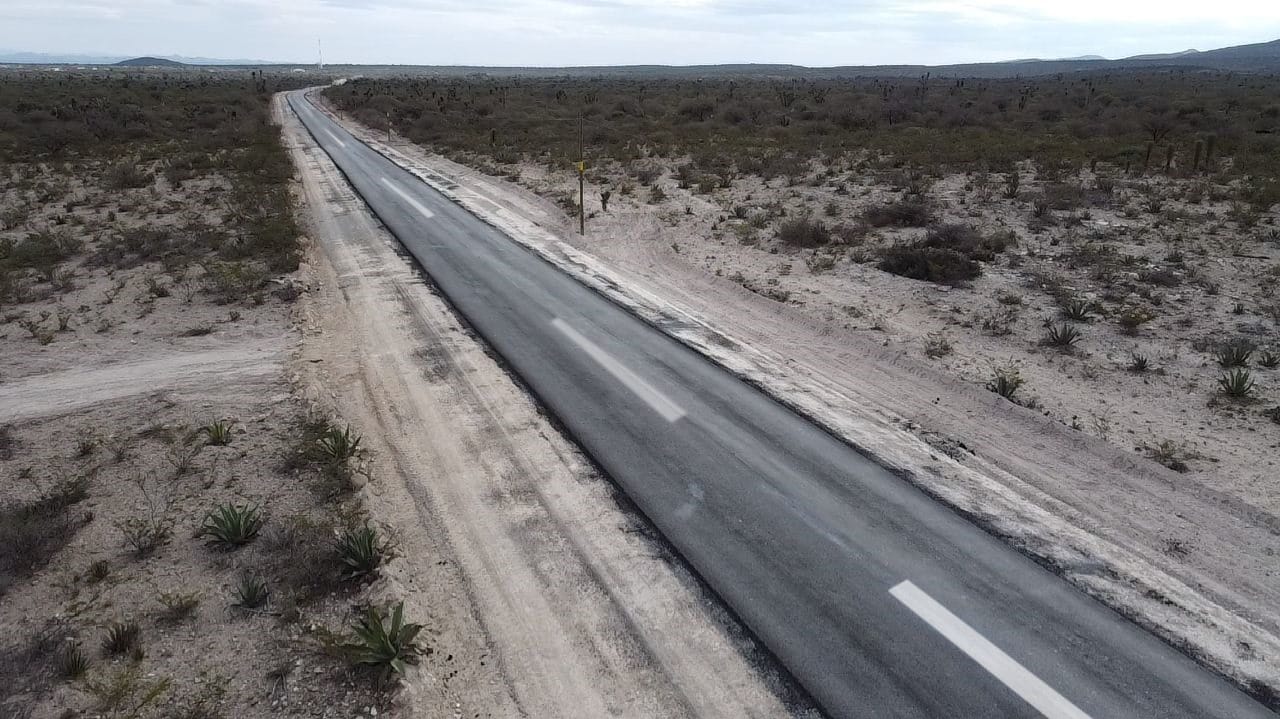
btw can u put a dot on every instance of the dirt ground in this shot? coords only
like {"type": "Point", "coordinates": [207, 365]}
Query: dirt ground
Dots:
{"type": "Point", "coordinates": [112, 362]}
{"type": "Point", "coordinates": [1149, 490]}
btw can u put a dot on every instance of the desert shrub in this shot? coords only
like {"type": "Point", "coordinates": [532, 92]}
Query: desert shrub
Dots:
{"type": "Point", "coordinates": [146, 534]}
{"type": "Point", "coordinates": [803, 232]}
{"type": "Point", "coordinates": [937, 345]}
{"type": "Point", "coordinates": [1170, 455]}
{"type": "Point", "coordinates": [32, 533]}
{"type": "Point", "coordinates": [929, 263]}
{"type": "Point", "coordinates": [1269, 359]}
{"type": "Point", "coordinates": [177, 606]}
{"type": "Point", "coordinates": [1132, 319]}
{"type": "Point", "coordinates": [965, 240]}
{"type": "Point", "coordinates": [127, 175]}
{"type": "Point", "coordinates": [901, 213]}
{"type": "Point", "coordinates": [302, 557]}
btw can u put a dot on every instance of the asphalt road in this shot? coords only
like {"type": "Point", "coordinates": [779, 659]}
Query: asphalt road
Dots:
{"type": "Point", "coordinates": [879, 600]}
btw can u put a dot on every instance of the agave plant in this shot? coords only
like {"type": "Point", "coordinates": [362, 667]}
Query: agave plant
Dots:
{"type": "Point", "coordinates": [73, 662]}
{"type": "Point", "coordinates": [218, 432]}
{"type": "Point", "coordinates": [1078, 310]}
{"type": "Point", "coordinates": [1006, 382]}
{"type": "Point", "coordinates": [1269, 359]}
{"type": "Point", "coordinates": [1234, 354]}
{"type": "Point", "coordinates": [251, 592]}
{"type": "Point", "coordinates": [1237, 383]}
{"type": "Point", "coordinates": [338, 446]}
{"type": "Point", "coordinates": [122, 638]}
{"type": "Point", "coordinates": [1062, 336]}
{"type": "Point", "coordinates": [232, 525]}
{"type": "Point", "coordinates": [361, 551]}
{"type": "Point", "coordinates": [385, 642]}
{"type": "Point", "coordinates": [1139, 363]}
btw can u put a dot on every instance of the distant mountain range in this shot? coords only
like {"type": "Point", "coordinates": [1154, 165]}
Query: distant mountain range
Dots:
{"type": "Point", "coordinates": [40, 58]}
{"type": "Point", "coordinates": [1258, 57]}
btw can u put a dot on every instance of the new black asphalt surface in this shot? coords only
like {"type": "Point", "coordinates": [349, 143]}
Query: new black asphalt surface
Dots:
{"type": "Point", "coordinates": [802, 536]}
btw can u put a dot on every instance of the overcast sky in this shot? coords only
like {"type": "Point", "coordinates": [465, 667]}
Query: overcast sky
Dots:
{"type": "Point", "coordinates": [612, 32]}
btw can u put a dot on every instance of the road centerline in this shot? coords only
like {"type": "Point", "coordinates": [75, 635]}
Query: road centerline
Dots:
{"type": "Point", "coordinates": [421, 208]}
{"type": "Point", "coordinates": [1031, 688]}
{"type": "Point", "coordinates": [660, 403]}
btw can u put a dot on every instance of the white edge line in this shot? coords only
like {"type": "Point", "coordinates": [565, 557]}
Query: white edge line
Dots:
{"type": "Point", "coordinates": [669, 410]}
{"type": "Point", "coordinates": [409, 199]}
{"type": "Point", "coordinates": [1002, 666]}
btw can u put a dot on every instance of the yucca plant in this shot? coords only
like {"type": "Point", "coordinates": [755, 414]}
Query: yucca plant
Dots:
{"type": "Point", "coordinates": [218, 432]}
{"type": "Point", "coordinates": [1139, 363]}
{"type": "Point", "coordinates": [122, 638]}
{"type": "Point", "coordinates": [1062, 336]}
{"type": "Point", "coordinates": [1234, 354]}
{"type": "Point", "coordinates": [232, 525]}
{"type": "Point", "coordinates": [338, 446]}
{"type": "Point", "coordinates": [73, 662]}
{"type": "Point", "coordinates": [251, 592]}
{"type": "Point", "coordinates": [99, 570]}
{"type": "Point", "coordinates": [384, 642]}
{"type": "Point", "coordinates": [1078, 310]}
{"type": "Point", "coordinates": [1269, 359]}
{"type": "Point", "coordinates": [1238, 383]}
{"type": "Point", "coordinates": [1006, 382]}
{"type": "Point", "coordinates": [361, 551]}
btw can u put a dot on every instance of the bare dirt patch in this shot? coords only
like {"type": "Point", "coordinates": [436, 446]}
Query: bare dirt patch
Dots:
{"type": "Point", "coordinates": [146, 328]}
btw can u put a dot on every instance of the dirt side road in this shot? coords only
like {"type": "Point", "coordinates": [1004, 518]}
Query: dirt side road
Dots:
{"type": "Point", "coordinates": [1115, 525]}
{"type": "Point", "coordinates": [547, 595]}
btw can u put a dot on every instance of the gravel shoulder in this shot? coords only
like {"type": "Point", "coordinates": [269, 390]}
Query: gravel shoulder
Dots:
{"type": "Point", "coordinates": [1191, 557]}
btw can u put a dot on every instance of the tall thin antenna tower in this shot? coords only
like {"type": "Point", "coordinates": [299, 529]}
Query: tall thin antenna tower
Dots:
{"type": "Point", "coordinates": [319, 56]}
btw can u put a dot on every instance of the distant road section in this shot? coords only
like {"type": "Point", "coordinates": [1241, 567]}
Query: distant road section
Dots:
{"type": "Point", "coordinates": [880, 601]}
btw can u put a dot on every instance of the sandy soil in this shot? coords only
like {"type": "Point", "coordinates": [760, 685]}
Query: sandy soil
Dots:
{"type": "Point", "coordinates": [115, 399]}
{"type": "Point", "coordinates": [546, 594]}
{"type": "Point", "coordinates": [1189, 555]}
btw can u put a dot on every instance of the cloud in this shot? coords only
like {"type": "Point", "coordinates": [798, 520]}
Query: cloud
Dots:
{"type": "Point", "coordinates": [559, 32]}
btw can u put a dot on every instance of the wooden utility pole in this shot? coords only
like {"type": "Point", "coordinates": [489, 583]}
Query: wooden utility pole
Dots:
{"type": "Point", "coordinates": [582, 183]}
{"type": "Point", "coordinates": [388, 127]}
